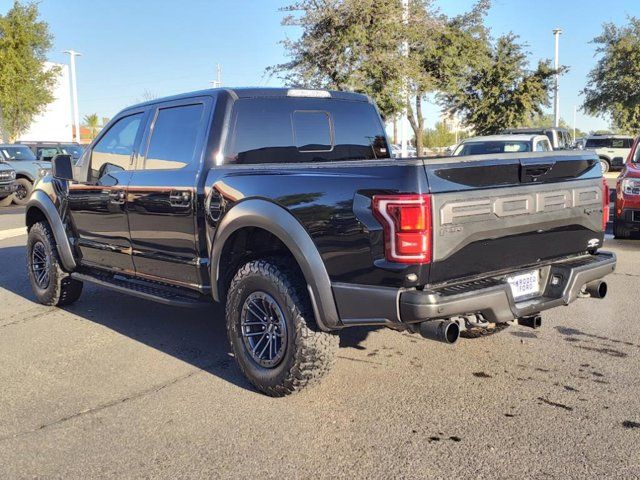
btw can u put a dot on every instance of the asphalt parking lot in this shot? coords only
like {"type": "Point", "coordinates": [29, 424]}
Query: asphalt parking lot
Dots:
{"type": "Point", "coordinates": [116, 387]}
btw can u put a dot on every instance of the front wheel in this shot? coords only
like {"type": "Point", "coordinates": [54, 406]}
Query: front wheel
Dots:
{"type": "Point", "coordinates": [50, 283]}
{"type": "Point", "coordinates": [272, 330]}
{"type": "Point", "coordinates": [6, 201]}
{"type": "Point", "coordinates": [604, 165]}
{"type": "Point", "coordinates": [23, 191]}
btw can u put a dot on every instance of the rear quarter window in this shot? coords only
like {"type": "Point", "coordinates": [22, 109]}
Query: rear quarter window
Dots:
{"type": "Point", "coordinates": [292, 130]}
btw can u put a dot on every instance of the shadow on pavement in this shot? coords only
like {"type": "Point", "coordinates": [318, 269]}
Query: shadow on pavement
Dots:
{"type": "Point", "coordinates": [196, 336]}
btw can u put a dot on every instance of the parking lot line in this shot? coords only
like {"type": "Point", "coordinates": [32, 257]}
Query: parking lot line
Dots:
{"type": "Point", "coordinates": [12, 232]}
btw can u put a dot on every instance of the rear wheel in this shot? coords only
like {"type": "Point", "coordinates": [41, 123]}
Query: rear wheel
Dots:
{"type": "Point", "coordinates": [604, 164]}
{"type": "Point", "coordinates": [272, 330]}
{"type": "Point", "coordinates": [23, 191]}
{"type": "Point", "coordinates": [50, 283]}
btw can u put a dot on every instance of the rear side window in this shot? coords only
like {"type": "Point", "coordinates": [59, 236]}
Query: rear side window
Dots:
{"type": "Point", "coordinates": [174, 136]}
{"type": "Point", "coordinates": [289, 130]}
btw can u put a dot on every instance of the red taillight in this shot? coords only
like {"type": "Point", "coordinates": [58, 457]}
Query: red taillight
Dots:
{"type": "Point", "coordinates": [406, 220]}
{"type": "Point", "coordinates": [605, 204]}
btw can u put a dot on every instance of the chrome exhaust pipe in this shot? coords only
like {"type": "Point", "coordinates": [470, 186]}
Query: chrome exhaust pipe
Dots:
{"type": "Point", "coordinates": [597, 289]}
{"type": "Point", "coordinates": [444, 331]}
{"type": "Point", "coordinates": [533, 321]}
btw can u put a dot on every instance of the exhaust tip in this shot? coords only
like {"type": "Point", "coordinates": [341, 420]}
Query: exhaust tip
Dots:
{"type": "Point", "coordinates": [597, 289]}
{"type": "Point", "coordinates": [444, 331]}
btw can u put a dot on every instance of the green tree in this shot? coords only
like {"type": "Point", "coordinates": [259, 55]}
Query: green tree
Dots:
{"type": "Point", "coordinates": [442, 52]}
{"type": "Point", "coordinates": [439, 136]}
{"type": "Point", "coordinates": [613, 86]}
{"type": "Point", "coordinates": [26, 84]}
{"type": "Point", "coordinates": [501, 92]}
{"type": "Point", "coordinates": [360, 45]}
{"type": "Point", "coordinates": [346, 45]}
{"type": "Point", "coordinates": [92, 123]}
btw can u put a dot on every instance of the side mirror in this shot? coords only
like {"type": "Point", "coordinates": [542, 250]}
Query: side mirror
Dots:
{"type": "Point", "coordinates": [62, 167]}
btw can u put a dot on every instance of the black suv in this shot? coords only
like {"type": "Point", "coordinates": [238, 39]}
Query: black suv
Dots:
{"type": "Point", "coordinates": [284, 205]}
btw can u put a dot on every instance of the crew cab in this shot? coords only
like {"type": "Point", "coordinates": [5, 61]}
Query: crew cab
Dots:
{"type": "Point", "coordinates": [28, 169]}
{"type": "Point", "coordinates": [284, 205]}
{"type": "Point", "coordinates": [626, 218]}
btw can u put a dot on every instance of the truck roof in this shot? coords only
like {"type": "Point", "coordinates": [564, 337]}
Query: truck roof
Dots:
{"type": "Point", "coordinates": [254, 92]}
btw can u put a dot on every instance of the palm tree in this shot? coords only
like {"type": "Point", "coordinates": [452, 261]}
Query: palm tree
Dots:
{"type": "Point", "coordinates": [91, 122]}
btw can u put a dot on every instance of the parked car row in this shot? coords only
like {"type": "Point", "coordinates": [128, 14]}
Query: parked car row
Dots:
{"type": "Point", "coordinates": [28, 162]}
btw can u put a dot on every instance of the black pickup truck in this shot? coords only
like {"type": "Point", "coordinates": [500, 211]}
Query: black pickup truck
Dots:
{"type": "Point", "coordinates": [285, 205]}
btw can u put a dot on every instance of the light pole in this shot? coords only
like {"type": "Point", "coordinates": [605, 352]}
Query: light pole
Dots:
{"type": "Point", "coordinates": [556, 99]}
{"type": "Point", "coordinates": [74, 92]}
{"type": "Point", "coordinates": [217, 83]}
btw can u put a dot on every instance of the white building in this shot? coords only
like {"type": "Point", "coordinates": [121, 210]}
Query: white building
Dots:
{"type": "Point", "coordinates": [54, 123]}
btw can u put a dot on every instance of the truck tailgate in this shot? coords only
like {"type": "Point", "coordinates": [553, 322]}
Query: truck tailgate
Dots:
{"type": "Point", "coordinates": [503, 213]}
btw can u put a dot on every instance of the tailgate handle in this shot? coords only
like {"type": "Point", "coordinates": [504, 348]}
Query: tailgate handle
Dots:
{"type": "Point", "coordinates": [532, 173]}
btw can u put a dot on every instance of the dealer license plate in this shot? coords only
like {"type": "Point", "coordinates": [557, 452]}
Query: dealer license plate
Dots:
{"type": "Point", "coordinates": [525, 285]}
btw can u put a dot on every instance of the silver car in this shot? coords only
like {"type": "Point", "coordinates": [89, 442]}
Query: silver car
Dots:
{"type": "Point", "coordinates": [491, 144]}
{"type": "Point", "coordinates": [27, 169]}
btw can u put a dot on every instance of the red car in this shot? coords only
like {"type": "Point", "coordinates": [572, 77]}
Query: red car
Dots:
{"type": "Point", "coordinates": [627, 211]}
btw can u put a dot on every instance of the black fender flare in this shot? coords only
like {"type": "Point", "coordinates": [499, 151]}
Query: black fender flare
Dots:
{"type": "Point", "coordinates": [41, 201]}
{"type": "Point", "coordinates": [278, 221]}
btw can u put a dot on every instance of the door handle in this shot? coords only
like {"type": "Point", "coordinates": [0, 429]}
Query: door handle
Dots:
{"type": "Point", "coordinates": [117, 197]}
{"type": "Point", "coordinates": [180, 198]}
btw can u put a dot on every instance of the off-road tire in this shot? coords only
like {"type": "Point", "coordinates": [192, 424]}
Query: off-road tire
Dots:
{"type": "Point", "coordinates": [61, 289]}
{"type": "Point", "coordinates": [605, 166]}
{"type": "Point", "coordinates": [620, 231]}
{"type": "Point", "coordinates": [310, 352]}
{"type": "Point", "coordinates": [28, 186]}
{"type": "Point", "coordinates": [6, 201]}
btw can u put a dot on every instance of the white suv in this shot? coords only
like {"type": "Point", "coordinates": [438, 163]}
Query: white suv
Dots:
{"type": "Point", "coordinates": [612, 149]}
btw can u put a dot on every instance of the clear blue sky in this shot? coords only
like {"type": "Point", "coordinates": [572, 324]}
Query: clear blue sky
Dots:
{"type": "Point", "coordinates": [167, 47]}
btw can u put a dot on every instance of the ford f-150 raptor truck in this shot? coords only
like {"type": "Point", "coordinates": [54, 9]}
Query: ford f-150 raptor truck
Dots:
{"type": "Point", "coordinates": [285, 205]}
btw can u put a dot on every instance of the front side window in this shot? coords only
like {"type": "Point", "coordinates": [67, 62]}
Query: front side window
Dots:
{"type": "Point", "coordinates": [174, 136]}
{"type": "Point", "coordinates": [113, 151]}
{"type": "Point", "coordinates": [18, 153]}
{"type": "Point", "coordinates": [617, 143]}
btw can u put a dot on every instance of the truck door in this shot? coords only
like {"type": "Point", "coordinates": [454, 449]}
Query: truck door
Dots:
{"type": "Point", "coordinates": [97, 206]}
{"type": "Point", "coordinates": [163, 192]}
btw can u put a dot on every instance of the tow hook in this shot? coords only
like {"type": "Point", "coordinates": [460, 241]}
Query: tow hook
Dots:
{"type": "Point", "coordinates": [532, 321]}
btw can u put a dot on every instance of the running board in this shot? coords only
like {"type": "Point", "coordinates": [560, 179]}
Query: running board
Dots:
{"type": "Point", "coordinates": [148, 290]}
